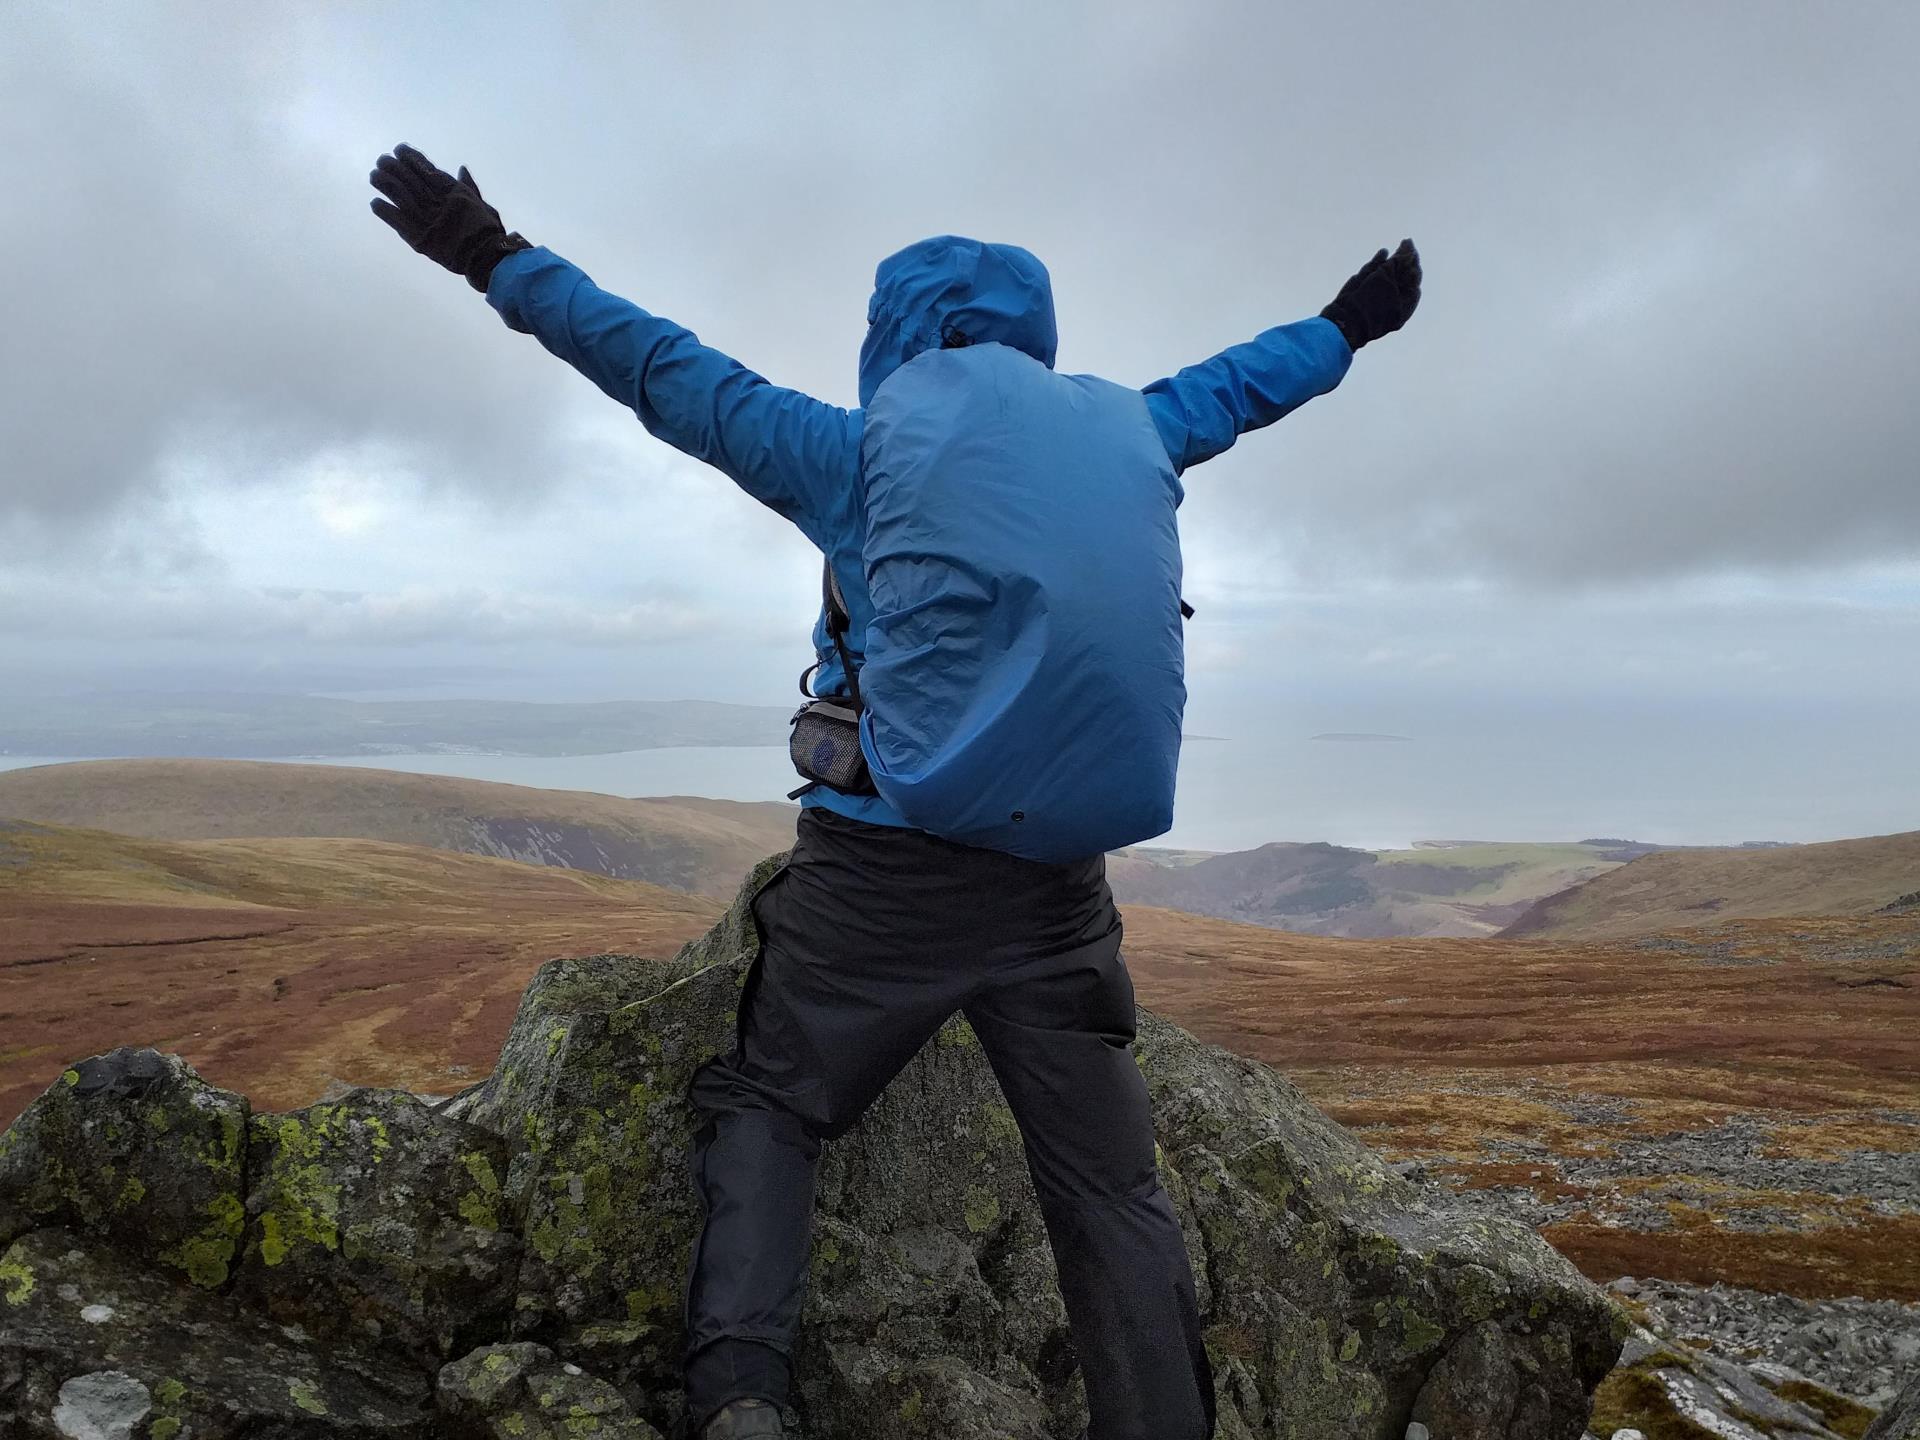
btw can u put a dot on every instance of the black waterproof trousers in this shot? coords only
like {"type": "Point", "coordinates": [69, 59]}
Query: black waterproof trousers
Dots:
{"type": "Point", "coordinates": [873, 937]}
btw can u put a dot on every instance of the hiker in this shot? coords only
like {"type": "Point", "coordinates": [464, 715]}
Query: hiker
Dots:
{"type": "Point", "coordinates": [995, 702]}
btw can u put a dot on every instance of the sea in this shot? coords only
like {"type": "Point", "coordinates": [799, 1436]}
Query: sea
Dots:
{"type": "Point", "coordinates": [1715, 786]}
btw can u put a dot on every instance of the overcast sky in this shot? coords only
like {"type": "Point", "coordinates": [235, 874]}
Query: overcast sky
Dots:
{"type": "Point", "coordinates": [1650, 440]}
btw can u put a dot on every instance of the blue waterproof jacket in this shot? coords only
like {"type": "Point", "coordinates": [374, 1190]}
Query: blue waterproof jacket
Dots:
{"type": "Point", "coordinates": [802, 457]}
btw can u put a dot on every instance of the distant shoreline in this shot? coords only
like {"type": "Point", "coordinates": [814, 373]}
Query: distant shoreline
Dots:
{"type": "Point", "coordinates": [1363, 737]}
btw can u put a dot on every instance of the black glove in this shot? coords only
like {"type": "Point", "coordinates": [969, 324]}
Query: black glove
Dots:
{"type": "Point", "coordinates": [1379, 298]}
{"type": "Point", "coordinates": [443, 218]}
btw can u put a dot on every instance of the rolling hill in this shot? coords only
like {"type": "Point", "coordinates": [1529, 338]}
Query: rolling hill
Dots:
{"type": "Point", "coordinates": [284, 966]}
{"type": "Point", "coordinates": [704, 845]}
{"type": "Point", "coordinates": [1434, 890]}
{"type": "Point", "coordinates": [1680, 888]}
{"type": "Point", "coordinates": [681, 843]}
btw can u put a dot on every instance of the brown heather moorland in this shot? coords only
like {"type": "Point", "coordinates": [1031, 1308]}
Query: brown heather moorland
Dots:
{"type": "Point", "coordinates": [282, 968]}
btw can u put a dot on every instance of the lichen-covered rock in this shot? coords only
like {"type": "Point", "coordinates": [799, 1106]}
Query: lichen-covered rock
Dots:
{"type": "Point", "coordinates": [212, 1369]}
{"type": "Point", "coordinates": [1663, 1387]}
{"type": "Point", "coordinates": [547, 1216]}
{"type": "Point", "coordinates": [376, 1216]}
{"type": "Point", "coordinates": [1334, 1300]}
{"type": "Point", "coordinates": [590, 1090]}
{"type": "Point", "coordinates": [134, 1147]}
{"type": "Point", "coordinates": [869, 1390]}
{"type": "Point", "coordinates": [1472, 1393]}
{"type": "Point", "coordinates": [524, 1392]}
{"type": "Point", "coordinates": [1901, 1419]}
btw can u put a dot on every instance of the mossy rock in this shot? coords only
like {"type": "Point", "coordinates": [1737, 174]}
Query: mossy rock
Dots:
{"type": "Point", "coordinates": [211, 1368]}
{"type": "Point", "coordinates": [1334, 1298]}
{"type": "Point", "coordinates": [135, 1148]}
{"type": "Point", "coordinates": [375, 1216]}
{"type": "Point", "coordinates": [525, 1392]}
{"type": "Point", "coordinates": [1670, 1391]}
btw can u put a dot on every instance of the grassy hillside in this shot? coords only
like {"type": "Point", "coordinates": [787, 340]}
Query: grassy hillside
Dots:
{"type": "Point", "coordinates": [284, 966]}
{"type": "Point", "coordinates": [1433, 890]}
{"type": "Point", "coordinates": [682, 843]}
{"type": "Point", "coordinates": [1680, 888]}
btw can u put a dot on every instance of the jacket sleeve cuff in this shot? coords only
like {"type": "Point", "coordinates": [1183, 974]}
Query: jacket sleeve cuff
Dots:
{"type": "Point", "coordinates": [1338, 341]}
{"type": "Point", "coordinates": [508, 286]}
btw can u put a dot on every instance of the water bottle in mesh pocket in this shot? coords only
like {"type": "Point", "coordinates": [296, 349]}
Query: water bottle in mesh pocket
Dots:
{"type": "Point", "coordinates": [825, 747]}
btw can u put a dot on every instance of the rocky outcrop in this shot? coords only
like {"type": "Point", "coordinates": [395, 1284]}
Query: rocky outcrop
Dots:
{"type": "Point", "coordinates": [1859, 1348]}
{"type": "Point", "coordinates": [525, 1392]}
{"type": "Point", "coordinates": [511, 1263]}
{"type": "Point", "coordinates": [1667, 1388]}
{"type": "Point", "coordinates": [1900, 1420]}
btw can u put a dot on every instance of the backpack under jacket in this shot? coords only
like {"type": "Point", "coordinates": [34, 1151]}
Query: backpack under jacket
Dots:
{"type": "Point", "coordinates": [1023, 681]}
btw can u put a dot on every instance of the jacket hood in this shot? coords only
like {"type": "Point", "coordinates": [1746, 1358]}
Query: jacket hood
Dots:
{"type": "Point", "coordinates": [950, 286]}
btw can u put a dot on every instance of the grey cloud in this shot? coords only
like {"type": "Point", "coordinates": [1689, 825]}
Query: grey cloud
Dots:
{"type": "Point", "coordinates": [1668, 330]}
{"type": "Point", "coordinates": [198, 288]}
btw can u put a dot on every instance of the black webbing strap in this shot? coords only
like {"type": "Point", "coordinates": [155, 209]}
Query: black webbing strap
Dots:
{"type": "Point", "coordinates": [838, 622]}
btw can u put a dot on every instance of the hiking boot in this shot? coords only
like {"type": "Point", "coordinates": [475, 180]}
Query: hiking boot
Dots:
{"type": "Point", "coordinates": [745, 1420]}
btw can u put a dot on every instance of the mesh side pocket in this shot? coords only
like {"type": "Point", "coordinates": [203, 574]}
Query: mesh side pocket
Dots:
{"type": "Point", "coordinates": [825, 747]}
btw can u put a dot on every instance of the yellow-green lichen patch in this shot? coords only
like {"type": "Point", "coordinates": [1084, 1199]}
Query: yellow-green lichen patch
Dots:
{"type": "Point", "coordinates": [1420, 1333]}
{"type": "Point", "coordinates": [957, 1035]}
{"type": "Point", "coordinates": [168, 1398]}
{"type": "Point", "coordinates": [70, 1078]}
{"type": "Point", "coordinates": [302, 1393]}
{"type": "Point", "coordinates": [1378, 1250]}
{"type": "Point", "coordinates": [1267, 1168]}
{"type": "Point", "coordinates": [223, 1151]}
{"type": "Point", "coordinates": [998, 1125]}
{"type": "Point", "coordinates": [982, 1210]}
{"type": "Point", "coordinates": [479, 1206]}
{"type": "Point", "coordinates": [16, 1279]}
{"type": "Point", "coordinates": [207, 1255]}
{"type": "Point", "coordinates": [303, 1201]}
{"type": "Point", "coordinates": [132, 1192]}
{"type": "Point", "coordinates": [650, 1302]}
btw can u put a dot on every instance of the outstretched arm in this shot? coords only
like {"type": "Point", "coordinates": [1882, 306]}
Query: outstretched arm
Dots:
{"type": "Point", "coordinates": [1203, 409]}
{"type": "Point", "coordinates": [1206, 407]}
{"type": "Point", "coordinates": [782, 447]}
{"type": "Point", "coordinates": [786, 449]}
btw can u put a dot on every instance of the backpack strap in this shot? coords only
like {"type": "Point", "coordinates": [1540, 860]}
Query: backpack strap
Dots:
{"type": "Point", "coordinates": [838, 623]}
